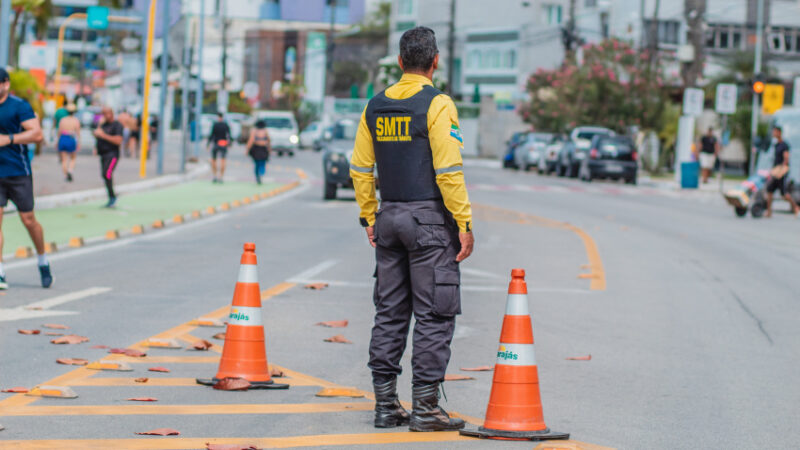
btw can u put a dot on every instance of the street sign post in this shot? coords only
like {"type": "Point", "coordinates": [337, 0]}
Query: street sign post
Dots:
{"type": "Point", "coordinates": [97, 17]}
{"type": "Point", "coordinates": [772, 98]}
{"type": "Point", "coordinates": [726, 98]}
{"type": "Point", "coordinates": [693, 99]}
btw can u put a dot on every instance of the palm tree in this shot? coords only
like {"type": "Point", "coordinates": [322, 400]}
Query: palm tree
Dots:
{"type": "Point", "coordinates": [40, 10]}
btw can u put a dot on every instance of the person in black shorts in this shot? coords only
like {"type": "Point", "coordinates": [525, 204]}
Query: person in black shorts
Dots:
{"type": "Point", "coordinates": [18, 128]}
{"type": "Point", "coordinates": [219, 140]}
{"type": "Point", "coordinates": [779, 177]}
{"type": "Point", "coordinates": [109, 139]}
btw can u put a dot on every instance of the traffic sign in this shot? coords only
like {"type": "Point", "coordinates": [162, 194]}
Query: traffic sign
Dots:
{"type": "Point", "coordinates": [772, 98]}
{"type": "Point", "coordinates": [693, 99]}
{"type": "Point", "coordinates": [726, 98]}
{"type": "Point", "coordinates": [97, 17]}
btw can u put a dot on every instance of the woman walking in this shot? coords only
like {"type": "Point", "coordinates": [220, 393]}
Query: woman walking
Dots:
{"type": "Point", "coordinates": [69, 133]}
{"type": "Point", "coordinates": [258, 148]}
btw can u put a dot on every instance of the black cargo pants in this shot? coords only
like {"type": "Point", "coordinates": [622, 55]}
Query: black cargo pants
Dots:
{"type": "Point", "coordinates": [417, 244]}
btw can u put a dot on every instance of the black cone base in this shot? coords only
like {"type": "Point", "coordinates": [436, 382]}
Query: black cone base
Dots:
{"type": "Point", "coordinates": [253, 384]}
{"type": "Point", "coordinates": [542, 435]}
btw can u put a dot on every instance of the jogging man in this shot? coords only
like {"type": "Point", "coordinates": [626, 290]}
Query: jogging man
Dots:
{"type": "Point", "coordinates": [219, 139]}
{"type": "Point", "coordinates": [421, 232]}
{"type": "Point", "coordinates": [109, 139]}
{"type": "Point", "coordinates": [18, 128]}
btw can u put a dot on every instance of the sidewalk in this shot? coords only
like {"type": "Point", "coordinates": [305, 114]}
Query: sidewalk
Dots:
{"type": "Point", "coordinates": [710, 188]}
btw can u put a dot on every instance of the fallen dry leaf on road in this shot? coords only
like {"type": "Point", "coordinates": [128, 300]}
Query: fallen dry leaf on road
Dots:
{"type": "Point", "coordinates": [29, 331]}
{"type": "Point", "coordinates": [220, 336]}
{"type": "Point", "coordinates": [70, 339]}
{"type": "Point", "coordinates": [277, 373]}
{"type": "Point", "coordinates": [141, 380]}
{"type": "Point", "coordinates": [202, 344]}
{"type": "Point", "coordinates": [16, 390]}
{"type": "Point", "coordinates": [72, 361]}
{"type": "Point", "coordinates": [230, 447]}
{"type": "Point", "coordinates": [455, 377]}
{"type": "Point", "coordinates": [99, 346]}
{"type": "Point", "coordinates": [142, 399]}
{"type": "Point", "coordinates": [53, 334]}
{"type": "Point", "coordinates": [316, 286]}
{"type": "Point", "coordinates": [232, 384]}
{"type": "Point", "coordinates": [580, 358]}
{"type": "Point", "coordinates": [333, 323]}
{"type": "Point", "coordinates": [128, 352]}
{"type": "Point", "coordinates": [478, 369]}
{"type": "Point", "coordinates": [160, 432]}
{"type": "Point", "coordinates": [158, 369]}
{"type": "Point", "coordinates": [33, 308]}
{"type": "Point", "coordinates": [339, 339]}
{"type": "Point", "coordinates": [55, 326]}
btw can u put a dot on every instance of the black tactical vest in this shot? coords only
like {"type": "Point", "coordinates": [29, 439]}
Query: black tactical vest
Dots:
{"type": "Point", "coordinates": [403, 154]}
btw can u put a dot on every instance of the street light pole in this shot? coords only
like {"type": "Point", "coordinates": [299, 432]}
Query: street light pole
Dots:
{"type": "Point", "coordinates": [756, 71]}
{"type": "Point", "coordinates": [198, 97]}
{"type": "Point", "coordinates": [162, 123]}
{"type": "Point", "coordinates": [187, 69]}
{"type": "Point", "coordinates": [5, 31]}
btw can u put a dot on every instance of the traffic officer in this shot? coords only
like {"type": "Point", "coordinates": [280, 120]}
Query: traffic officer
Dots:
{"type": "Point", "coordinates": [421, 232]}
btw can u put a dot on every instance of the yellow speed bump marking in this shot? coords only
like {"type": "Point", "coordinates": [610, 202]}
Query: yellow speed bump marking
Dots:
{"type": "Point", "coordinates": [76, 242]}
{"type": "Point", "coordinates": [162, 343]}
{"type": "Point", "coordinates": [225, 206]}
{"type": "Point", "coordinates": [137, 229]}
{"type": "Point", "coordinates": [50, 247]}
{"type": "Point", "coordinates": [236, 204]}
{"type": "Point", "coordinates": [263, 195]}
{"type": "Point", "coordinates": [246, 200]}
{"type": "Point", "coordinates": [211, 210]}
{"type": "Point", "coordinates": [118, 366]}
{"type": "Point", "coordinates": [112, 235]}
{"type": "Point", "coordinates": [23, 252]}
{"type": "Point", "coordinates": [178, 219]}
{"type": "Point", "coordinates": [158, 224]}
{"type": "Point", "coordinates": [340, 392]}
{"type": "Point", "coordinates": [256, 198]}
{"type": "Point", "coordinates": [52, 392]}
{"type": "Point", "coordinates": [196, 214]}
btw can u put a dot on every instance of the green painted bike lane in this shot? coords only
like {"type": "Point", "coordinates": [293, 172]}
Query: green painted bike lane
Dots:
{"type": "Point", "coordinates": [89, 220]}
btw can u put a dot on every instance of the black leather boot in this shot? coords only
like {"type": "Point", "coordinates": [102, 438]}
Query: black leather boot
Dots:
{"type": "Point", "coordinates": [427, 415]}
{"type": "Point", "coordinates": [388, 411]}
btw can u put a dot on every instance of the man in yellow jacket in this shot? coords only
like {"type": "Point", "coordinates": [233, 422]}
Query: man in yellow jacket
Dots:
{"type": "Point", "coordinates": [421, 232]}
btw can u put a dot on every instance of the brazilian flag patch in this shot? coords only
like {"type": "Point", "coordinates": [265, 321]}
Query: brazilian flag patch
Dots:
{"type": "Point", "coordinates": [455, 133]}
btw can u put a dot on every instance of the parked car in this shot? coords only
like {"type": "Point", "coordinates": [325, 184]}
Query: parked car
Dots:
{"type": "Point", "coordinates": [571, 156]}
{"type": "Point", "coordinates": [282, 128]}
{"type": "Point", "coordinates": [610, 157]}
{"type": "Point", "coordinates": [511, 146]}
{"type": "Point", "coordinates": [527, 155]}
{"type": "Point", "coordinates": [311, 134]}
{"type": "Point", "coordinates": [549, 158]}
{"type": "Point", "coordinates": [338, 143]}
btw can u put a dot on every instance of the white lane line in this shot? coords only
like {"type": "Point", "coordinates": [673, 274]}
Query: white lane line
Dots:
{"type": "Point", "coordinates": [467, 287]}
{"type": "Point", "coordinates": [481, 273]}
{"type": "Point", "coordinates": [61, 299]}
{"type": "Point", "coordinates": [305, 276]}
{"type": "Point", "coordinates": [8, 315]}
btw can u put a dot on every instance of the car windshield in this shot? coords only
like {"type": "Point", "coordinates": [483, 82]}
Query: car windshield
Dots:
{"type": "Point", "coordinates": [540, 137]}
{"type": "Point", "coordinates": [278, 122]}
{"type": "Point", "coordinates": [588, 135]}
{"type": "Point", "coordinates": [345, 130]}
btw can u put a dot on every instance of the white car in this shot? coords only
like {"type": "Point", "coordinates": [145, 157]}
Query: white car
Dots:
{"type": "Point", "coordinates": [311, 134]}
{"type": "Point", "coordinates": [283, 132]}
{"type": "Point", "coordinates": [528, 153]}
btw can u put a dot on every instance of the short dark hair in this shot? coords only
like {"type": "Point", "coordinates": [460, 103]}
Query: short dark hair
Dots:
{"type": "Point", "coordinates": [221, 115]}
{"type": "Point", "coordinates": [418, 48]}
{"type": "Point", "coordinates": [261, 124]}
{"type": "Point", "coordinates": [780, 130]}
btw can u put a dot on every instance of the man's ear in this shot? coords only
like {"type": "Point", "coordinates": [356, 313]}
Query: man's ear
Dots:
{"type": "Point", "coordinates": [436, 62]}
{"type": "Point", "coordinates": [400, 62]}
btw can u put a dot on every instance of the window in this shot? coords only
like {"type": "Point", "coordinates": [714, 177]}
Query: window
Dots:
{"type": "Point", "coordinates": [492, 59]}
{"type": "Point", "coordinates": [510, 59]}
{"type": "Point", "coordinates": [552, 14]}
{"type": "Point", "coordinates": [711, 39]}
{"type": "Point", "coordinates": [723, 39]}
{"type": "Point", "coordinates": [474, 59]}
{"type": "Point", "coordinates": [405, 7]}
{"type": "Point", "coordinates": [737, 39]}
{"type": "Point", "coordinates": [668, 31]}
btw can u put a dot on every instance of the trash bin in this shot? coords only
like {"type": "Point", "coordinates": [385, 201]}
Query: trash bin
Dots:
{"type": "Point", "coordinates": [690, 175]}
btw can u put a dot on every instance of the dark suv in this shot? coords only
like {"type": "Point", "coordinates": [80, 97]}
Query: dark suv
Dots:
{"type": "Point", "coordinates": [610, 157]}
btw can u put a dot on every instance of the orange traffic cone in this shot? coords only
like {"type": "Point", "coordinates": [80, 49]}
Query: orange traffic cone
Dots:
{"type": "Point", "coordinates": [244, 354]}
{"type": "Point", "coordinates": [515, 406]}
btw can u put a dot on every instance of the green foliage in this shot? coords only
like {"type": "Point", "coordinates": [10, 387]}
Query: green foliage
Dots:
{"type": "Point", "coordinates": [615, 87]}
{"type": "Point", "coordinates": [237, 104]}
{"type": "Point", "coordinates": [346, 74]}
{"type": "Point", "coordinates": [377, 25]}
{"type": "Point", "coordinates": [25, 86]}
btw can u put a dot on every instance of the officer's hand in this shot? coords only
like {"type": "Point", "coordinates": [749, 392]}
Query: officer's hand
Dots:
{"type": "Point", "coordinates": [467, 242]}
{"type": "Point", "coordinates": [371, 235]}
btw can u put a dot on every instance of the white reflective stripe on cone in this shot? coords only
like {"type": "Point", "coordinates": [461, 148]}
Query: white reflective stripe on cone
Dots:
{"type": "Point", "coordinates": [517, 305]}
{"type": "Point", "coordinates": [248, 273]}
{"type": "Point", "coordinates": [516, 355]}
{"type": "Point", "coordinates": [245, 315]}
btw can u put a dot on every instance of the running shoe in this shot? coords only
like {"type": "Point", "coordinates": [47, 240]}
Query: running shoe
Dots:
{"type": "Point", "coordinates": [47, 277]}
{"type": "Point", "coordinates": [3, 284]}
{"type": "Point", "coordinates": [69, 177]}
{"type": "Point", "coordinates": [111, 202]}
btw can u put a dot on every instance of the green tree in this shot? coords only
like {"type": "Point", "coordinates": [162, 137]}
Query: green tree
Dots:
{"type": "Point", "coordinates": [40, 10]}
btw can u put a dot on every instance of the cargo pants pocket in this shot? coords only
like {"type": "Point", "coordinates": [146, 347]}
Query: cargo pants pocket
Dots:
{"type": "Point", "coordinates": [446, 292]}
{"type": "Point", "coordinates": [431, 230]}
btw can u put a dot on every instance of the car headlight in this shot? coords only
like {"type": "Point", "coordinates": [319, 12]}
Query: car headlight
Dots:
{"type": "Point", "coordinates": [294, 139]}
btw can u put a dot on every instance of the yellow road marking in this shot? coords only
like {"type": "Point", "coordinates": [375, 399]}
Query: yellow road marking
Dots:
{"type": "Point", "coordinates": [167, 381]}
{"type": "Point", "coordinates": [165, 359]}
{"type": "Point", "coordinates": [597, 275]}
{"type": "Point", "coordinates": [192, 339]}
{"type": "Point", "coordinates": [277, 442]}
{"type": "Point", "coordinates": [161, 410]}
{"type": "Point", "coordinates": [569, 445]}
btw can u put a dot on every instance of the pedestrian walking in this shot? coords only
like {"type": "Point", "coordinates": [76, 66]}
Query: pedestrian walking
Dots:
{"type": "Point", "coordinates": [109, 140]}
{"type": "Point", "coordinates": [778, 176]}
{"type": "Point", "coordinates": [18, 128]}
{"type": "Point", "coordinates": [421, 232]}
{"type": "Point", "coordinates": [709, 151]}
{"type": "Point", "coordinates": [69, 134]}
{"type": "Point", "coordinates": [219, 140]}
{"type": "Point", "coordinates": [135, 126]}
{"type": "Point", "coordinates": [258, 148]}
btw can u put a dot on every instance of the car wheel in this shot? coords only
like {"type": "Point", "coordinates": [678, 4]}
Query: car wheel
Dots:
{"type": "Point", "coordinates": [528, 167]}
{"type": "Point", "coordinates": [740, 212]}
{"type": "Point", "coordinates": [330, 191]}
{"type": "Point", "coordinates": [291, 153]}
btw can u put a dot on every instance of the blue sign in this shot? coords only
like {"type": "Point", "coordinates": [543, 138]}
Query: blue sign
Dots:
{"type": "Point", "coordinates": [97, 17]}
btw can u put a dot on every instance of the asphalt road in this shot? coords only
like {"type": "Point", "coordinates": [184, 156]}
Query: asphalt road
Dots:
{"type": "Point", "coordinates": [688, 313]}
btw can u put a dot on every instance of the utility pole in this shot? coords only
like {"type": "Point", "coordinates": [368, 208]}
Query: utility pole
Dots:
{"type": "Point", "coordinates": [329, 53]}
{"type": "Point", "coordinates": [162, 122]}
{"type": "Point", "coordinates": [756, 71]}
{"type": "Point", "coordinates": [198, 98]}
{"type": "Point", "coordinates": [222, 13]}
{"type": "Point", "coordinates": [5, 31]}
{"type": "Point", "coordinates": [568, 33]}
{"type": "Point", "coordinates": [451, 49]}
{"type": "Point", "coordinates": [187, 72]}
